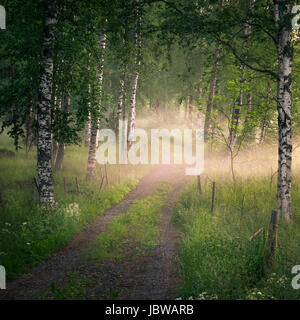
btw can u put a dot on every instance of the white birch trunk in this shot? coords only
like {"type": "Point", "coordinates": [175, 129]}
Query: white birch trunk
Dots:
{"type": "Point", "coordinates": [44, 167]}
{"type": "Point", "coordinates": [95, 120]}
{"type": "Point", "coordinates": [121, 100]}
{"type": "Point", "coordinates": [87, 131]}
{"type": "Point", "coordinates": [282, 11]}
{"type": "Point", "coordinates": [61, 146]}
{"type": "Point", "coordinates": [133, 108]}
{"type": "Point", "coordinates": [137, 63]}
{"type": "Point", "coordinates": [88, 125]}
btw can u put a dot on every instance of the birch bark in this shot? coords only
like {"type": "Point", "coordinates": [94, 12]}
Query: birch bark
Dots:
{"type": "Point", "coordinates": [95, 119]}
{"type": "Point", "coordinates": [282, 13]}
{"type": "Point", "coordinates": [87, 130]}
{"type": "Point", "coordinates": [44, 167]}
{"type": "Point", "coordinates": [88, 125]}
{"type": "Point", "coordinates": [137, 63]}
{"type": "Point", "coordinates": [121, 100]}
{"type": "Point", "coordinates": [61, 145]}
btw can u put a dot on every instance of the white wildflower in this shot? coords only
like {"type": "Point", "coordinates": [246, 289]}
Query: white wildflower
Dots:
{"type": "Point", "coordinates": [72, 210]}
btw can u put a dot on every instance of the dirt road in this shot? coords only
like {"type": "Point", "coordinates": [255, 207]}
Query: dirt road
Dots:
{"type": "Point", "coordinates": [134, 277]}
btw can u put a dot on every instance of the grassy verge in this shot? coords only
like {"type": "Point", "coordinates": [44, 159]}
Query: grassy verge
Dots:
{"type": "Point", "coordinates": [216, 259]}
{"type": "Point", "coordinates": [138, 226]}
{"type": "Point", "coordinates": [29, 235]}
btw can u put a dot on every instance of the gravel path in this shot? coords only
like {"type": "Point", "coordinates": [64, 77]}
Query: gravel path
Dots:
{"type": "Point", "coordinates": [134, 277]}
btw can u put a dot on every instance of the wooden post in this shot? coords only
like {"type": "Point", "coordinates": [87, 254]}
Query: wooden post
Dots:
{"type": "Point", "coordinates": [77, 185]}
{"type": "Point", "coordinates": [271, 242]}
{"type": "Point", "coordinates": [65, 187]}
{"type": "Point", "coordinates": [213, 196]}
{"type": "Point", "coordinates": [101, 172]}
{"type": "Point", "coordinates": [119, 175]}
{"type": "Point", "coordinates": [102, 180]}
{"type": "Point", "coordinates": [199, 185]}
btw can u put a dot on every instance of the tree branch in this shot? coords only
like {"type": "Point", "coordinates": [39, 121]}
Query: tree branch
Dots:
{"type": "Point", "coordinates": [263, 29]}
{"type": "Point", "coordinates": [273, 74]}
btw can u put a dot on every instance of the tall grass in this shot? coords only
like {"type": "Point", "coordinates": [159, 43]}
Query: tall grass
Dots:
{"type": "Point", "coordinates": [216, 259]}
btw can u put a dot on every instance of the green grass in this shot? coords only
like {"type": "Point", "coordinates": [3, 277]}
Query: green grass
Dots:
{"type": "Point", "coordinates": [30, 235]}
{"type": "Point", "coordinates": [216, 258]}
{"type": "Point", "coordinates": [138, 226]}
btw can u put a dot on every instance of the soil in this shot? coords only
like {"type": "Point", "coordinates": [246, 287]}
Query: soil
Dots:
{"type": "Point", "coordinates": [150, 276]}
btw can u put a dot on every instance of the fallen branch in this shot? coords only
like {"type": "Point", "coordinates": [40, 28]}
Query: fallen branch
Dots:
{"type": "Point", "coordinates": [256, 234]}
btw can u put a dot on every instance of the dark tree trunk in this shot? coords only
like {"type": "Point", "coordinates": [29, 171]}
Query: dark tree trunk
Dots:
{"type": "Point", "coordinates": [157, 107]}
{"type": "Point", "coordinates": [212, 90]}
{"type": "Point", "coordinates": [235, 117]}
{"type": "Point", "coordinates": [265, 118]}
{"type": "Point", "coordinates": [30, 134]}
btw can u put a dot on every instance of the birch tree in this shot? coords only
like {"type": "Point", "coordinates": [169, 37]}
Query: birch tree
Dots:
{"type": "Point", "coordinates": [121, 100]}
{"type": "Point", "coordinates": [44, 167]}
{"type": "Point", "coordinates": [61, 146]}
{"type": "Point", "coordinates": [87, 130]}
{"type": "Point", "coordinates": [282, 14]}
{"type": "Point", "coordinates": [88, 125]}
{"type": "Point", "coordinates": [95, 114]}
{"type": "Point", "coordinates": [137, 63]}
